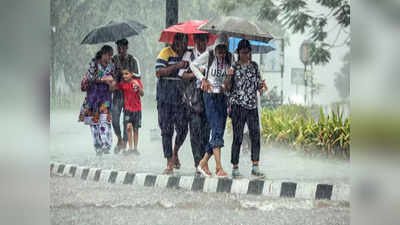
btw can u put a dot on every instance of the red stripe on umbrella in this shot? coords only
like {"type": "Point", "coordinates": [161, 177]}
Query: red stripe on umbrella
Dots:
{"type": "Point", "coordinates": [189, 27]}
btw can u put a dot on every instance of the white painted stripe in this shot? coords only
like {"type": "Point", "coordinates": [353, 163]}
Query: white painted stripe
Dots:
{"type": "Point", "coordinates": [306, 190]}
{"type": "Point", "coordinates": [66, 170]}
{"type": "Point", "coordinates": [272, 188]}
{"type": "Point", "coordinates": [92, 172]}
{"type": "Point", "coordinates": [140, 178]}
{"type": "Point", "coordinates": [105, 175]}
{"type": "Point", "coordinates": [186, 182]}
{"type": "Point", "coordinates": [120, 177]}
{"type": "Point", "coordinates": [267, 189]}
{"type": "Point", "coordinates": [210, 185]}
{"type": "Point", "coordinates": [161, 181]}
{"type": "Point", "coordinates": [55, 167]}
{"type": "Point", "coordinates": [341, 192]}
{"type": "Point", "coordinates": [239, 186]}
{"type": "Point", "coordinates": [275, 190]}
{"type": "Point", "coordinates": [79, 171]}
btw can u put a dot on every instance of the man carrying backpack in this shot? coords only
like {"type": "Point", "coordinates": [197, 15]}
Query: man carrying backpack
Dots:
{"type": "Point", "coordinates": [193, 98]}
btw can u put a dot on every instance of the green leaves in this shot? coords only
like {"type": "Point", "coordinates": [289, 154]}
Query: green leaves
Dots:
{"type": "Point", "coordinates": [293, 5]}
{"type": "Point", "coordinates": [295, 126]}
{"type": "Point", "coordinates": [268, 11]}
{"type": "Point", "coordinates": [320, 55]}
{"type": "Point", "coordinates": [343, 15]}
{"type": "Point", "coordinates": [330, 3]}
{"type": "Point", "coordinates": [298, 22]}
{"type": "Point", "coordinates": [298, 16]}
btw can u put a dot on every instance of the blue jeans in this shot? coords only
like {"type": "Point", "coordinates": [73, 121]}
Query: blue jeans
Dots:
{"type": "Point", "coordinates": [216, 111]}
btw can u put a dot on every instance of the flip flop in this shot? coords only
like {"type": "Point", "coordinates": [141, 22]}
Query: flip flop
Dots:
{"type": "Point", "coordinates": [221, 176]}
{"type": "Point", "coordinates": [203, 172]}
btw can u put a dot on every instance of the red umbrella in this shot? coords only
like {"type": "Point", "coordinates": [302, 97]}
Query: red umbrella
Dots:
{"type": "Point", "coordinates": [189, 27]}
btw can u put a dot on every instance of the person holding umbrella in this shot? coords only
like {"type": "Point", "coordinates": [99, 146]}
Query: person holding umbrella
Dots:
{"type": "Point", "coordinates": [193, 97]}
{"type": "Point", "coordinates": [122, 60]}
{"type": "Point", "coordinates": [215, 64]}
{"type": "Point", "coordinates": [244, 80]}
{"type": "Point", "coordinates": [170, 107]}
{"type": "Point", "coordinates": [99, 97]}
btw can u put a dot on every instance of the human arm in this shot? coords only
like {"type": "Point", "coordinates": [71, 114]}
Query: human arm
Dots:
{"type": "Point", "coordinates": [228, 79]}
{"type": "Point", "coordinates": [138, 87]}
{"type": "Point", "coordinates": [136, 66]}
{"type": "Point", "coordinates": [188, 75]}
{"type": "Point", "coordinates": [110, 81]}
{"type": "Point", "coordinates": [166, 71]}
{"type": "Point", "coordinates": [162, 68]}
{"type": "Point", "coordinates": [198, 66]}
{"type": "Point", "coordinates": [261, 85]}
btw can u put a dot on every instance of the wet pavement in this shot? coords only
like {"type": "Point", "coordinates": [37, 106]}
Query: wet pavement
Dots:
{"type": "Point", "coordinates": [79, 202]}
{"type": "Point", "coordinates": [71, 143]}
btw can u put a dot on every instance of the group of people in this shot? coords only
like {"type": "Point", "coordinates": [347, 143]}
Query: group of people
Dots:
{"type": "Point", "coordinates": [112, 84]}
{"type": "Point", "coordinates": [197, 89]}
{"type": "Point", "coordinates": [218, 85]}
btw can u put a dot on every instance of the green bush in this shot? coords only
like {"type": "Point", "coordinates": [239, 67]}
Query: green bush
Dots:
{"type": "Point", "coordinates": [295, 126]}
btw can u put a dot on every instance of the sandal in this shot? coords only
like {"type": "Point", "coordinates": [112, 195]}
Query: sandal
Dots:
{"type": "Point", "coordinates": [220, 173]}
{"type": "Point", "coordinates": [204, 172]}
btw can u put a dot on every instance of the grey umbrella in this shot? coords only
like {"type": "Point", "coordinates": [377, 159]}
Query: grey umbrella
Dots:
{"type": "Point", "coordinates": [237, 27]}
{"type": "Point", "coordinates": [113, 31]}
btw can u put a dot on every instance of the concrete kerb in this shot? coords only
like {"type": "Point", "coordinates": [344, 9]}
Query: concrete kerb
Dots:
{"type": "Point", "coordinates": [271, 188]}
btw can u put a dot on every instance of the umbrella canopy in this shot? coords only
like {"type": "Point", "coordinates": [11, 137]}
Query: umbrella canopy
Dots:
{"type": "Point", "coordinates": [189, 27]}
{"type": "Point", "coordinates": [113, 31]}
{"type": "Point", "coordinates": [257, 47]}
{"type": "Point", "coordinates": [236, 27]}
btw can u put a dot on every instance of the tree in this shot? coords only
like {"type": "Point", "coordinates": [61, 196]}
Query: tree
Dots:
{"type": "Point", "coordinates": [342, 80]}
{"type": "Point", "coordinates": [72, 20]}
{"type": "Point", "coordinates": [298, 16]}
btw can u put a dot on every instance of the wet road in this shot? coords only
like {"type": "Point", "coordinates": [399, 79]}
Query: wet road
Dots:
{"type": "Point", "coordinates": [87, 203]}
{"type": "Point", "coordinates": [71, 143]}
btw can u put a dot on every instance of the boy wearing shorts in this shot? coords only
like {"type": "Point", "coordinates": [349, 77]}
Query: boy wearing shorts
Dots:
{"type": "Point", "coordinates": [132, 88]}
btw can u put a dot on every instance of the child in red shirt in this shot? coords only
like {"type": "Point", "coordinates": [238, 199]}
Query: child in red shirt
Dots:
{"type": "Point", "coordinates": [132, 88]}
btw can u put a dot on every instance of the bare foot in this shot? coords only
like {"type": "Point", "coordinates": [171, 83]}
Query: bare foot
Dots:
{"type": "Point", "coordinates": [177, 164]}
{"type": "Point", "coordinates": [168, 171]}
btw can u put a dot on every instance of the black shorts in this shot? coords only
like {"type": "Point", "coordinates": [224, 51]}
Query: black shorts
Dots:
{"type": "Point", "coordinates": [135, 118]}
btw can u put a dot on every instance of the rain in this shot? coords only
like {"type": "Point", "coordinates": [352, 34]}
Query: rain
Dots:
{"type": "Point", "coordinates": [73, 201]}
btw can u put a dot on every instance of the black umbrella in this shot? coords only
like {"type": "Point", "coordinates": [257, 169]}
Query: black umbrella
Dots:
{"type": "Point", "coordinates": [113, 31]}
{"type": "Point", "coordinates": [237, 27]}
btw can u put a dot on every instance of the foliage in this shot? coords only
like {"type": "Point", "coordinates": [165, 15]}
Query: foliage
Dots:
{"type": "Point", "coordinates": [72, 20]}
{"type": "Point", "coordinates": [298, 16]}
{"type": "Point", "coordinates": [296, 127]}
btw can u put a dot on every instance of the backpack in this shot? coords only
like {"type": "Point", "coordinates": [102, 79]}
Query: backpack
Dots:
{"type": "Point", "coordinates": [192, 96]}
